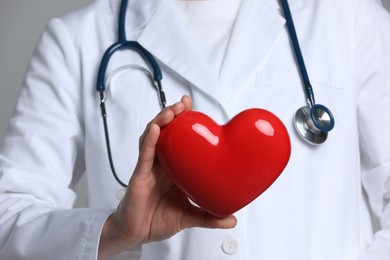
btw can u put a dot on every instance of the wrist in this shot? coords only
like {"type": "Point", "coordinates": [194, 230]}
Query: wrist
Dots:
{"type": "Point", "coordinates": [112, 239]}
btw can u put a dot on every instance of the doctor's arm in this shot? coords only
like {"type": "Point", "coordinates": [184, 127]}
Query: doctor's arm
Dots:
{"type": "Point", "coordinates": [372, 59]}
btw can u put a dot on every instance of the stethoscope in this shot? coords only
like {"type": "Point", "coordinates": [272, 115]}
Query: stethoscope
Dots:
{"type": "Point", "coordinates": [312, 122]}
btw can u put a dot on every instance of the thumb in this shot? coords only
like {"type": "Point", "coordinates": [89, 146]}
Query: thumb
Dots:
{"type": "Point", "coordinates": [147, 152]}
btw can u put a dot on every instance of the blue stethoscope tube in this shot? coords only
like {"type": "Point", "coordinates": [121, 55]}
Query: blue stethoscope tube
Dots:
{"type": "Point", "coordinates": [312, 122]}
{"type": "Point", "coordinates": [121, 44]}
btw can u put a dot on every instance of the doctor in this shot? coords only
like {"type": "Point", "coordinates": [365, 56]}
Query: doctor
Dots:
{"type": "Point", "coordinates": [227, 56]}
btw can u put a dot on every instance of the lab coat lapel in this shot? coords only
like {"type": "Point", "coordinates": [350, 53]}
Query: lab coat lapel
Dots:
{"type": "Point", "coordinates": [257, 27]}
{"type": "Point", "coordinates": [166, 38]}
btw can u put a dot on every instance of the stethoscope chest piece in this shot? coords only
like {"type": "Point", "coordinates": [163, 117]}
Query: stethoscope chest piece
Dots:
{"type": "Point", "coordinates": [314, 123]}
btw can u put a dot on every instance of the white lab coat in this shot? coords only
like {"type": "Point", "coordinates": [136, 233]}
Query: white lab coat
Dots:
{"type": "Point", "coordinates": [318, 209]}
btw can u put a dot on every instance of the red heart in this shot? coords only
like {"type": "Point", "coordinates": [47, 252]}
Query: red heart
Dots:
{"type": "Point", "coordinates": [223, 168]}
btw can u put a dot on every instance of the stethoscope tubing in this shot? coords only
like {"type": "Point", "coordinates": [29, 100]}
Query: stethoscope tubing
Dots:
{"type": "Point", "coordinates": [123, 43]}
{"type": "Point", "coordinates": [157, 74]}
{"type": "Point", "coordinates": [298, 53]}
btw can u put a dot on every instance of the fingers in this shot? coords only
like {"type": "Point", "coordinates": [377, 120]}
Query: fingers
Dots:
{"type": "Point", "coordinates": [209, 221]}
{"type": "Point", "coordinates": [148, 140]}
{"type": "Point", "coordinates": [167, 115]}
{"type": "Point", "coordinates": [162, 119]}
{"type": "Point", "coordinates": [187, 101]}
{"type": "Point", "coordinates": [200, 218]}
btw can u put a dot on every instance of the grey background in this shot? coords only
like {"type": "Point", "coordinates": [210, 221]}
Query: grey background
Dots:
{"type": "Point", "coordinates": [21, 24]}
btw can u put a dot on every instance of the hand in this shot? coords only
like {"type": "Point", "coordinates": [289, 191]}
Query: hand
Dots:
{"type": "Point", "coordinates": [153, 208]}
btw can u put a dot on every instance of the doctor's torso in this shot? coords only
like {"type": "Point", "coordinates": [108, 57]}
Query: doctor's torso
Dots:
{"type": "Point", "coordinates": [315, 209]}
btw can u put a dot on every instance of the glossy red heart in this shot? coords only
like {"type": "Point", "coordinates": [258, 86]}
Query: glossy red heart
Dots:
{"type": "Point", "coordinates": [223, 168]}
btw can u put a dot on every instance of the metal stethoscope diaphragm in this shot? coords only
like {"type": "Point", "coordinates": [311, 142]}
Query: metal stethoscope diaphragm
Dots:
{"type": "Point", "coordinates": [313, 123]}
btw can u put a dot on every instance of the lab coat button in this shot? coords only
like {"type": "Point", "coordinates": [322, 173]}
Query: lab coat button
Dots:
{"type": "Point", "coordinates": [119, 194]}
{"type": "Point", "coordinates": [230, 246]}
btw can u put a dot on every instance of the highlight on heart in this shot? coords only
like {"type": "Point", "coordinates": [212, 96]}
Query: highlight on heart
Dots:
{"type": "Point", "coordinates": [222, 168]}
